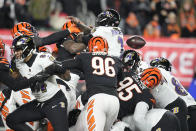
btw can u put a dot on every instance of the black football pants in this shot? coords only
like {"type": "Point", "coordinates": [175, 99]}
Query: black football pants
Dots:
{"type": "Point", "coordinates": [192, 119]}
{"type": "Point", "coordinates": [54, 109]}
{"type": "Point", "coordinates": [168, 122]}
{"type": "Point", "coordinates": [179, 108]}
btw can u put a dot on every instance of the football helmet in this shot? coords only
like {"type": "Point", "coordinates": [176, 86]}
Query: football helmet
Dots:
{"type": "Point", "coordinates": [68, 24]}
{"type": "Point", "coordinates": [24, 43]}
{"type": "Point", "coordinates": [151, 77]}
{"type": "Point", "coordinates": [109, 17]}
{"type": "Point", "coordinates": [131, 59]}
{"type": "Point", "coordinates": [98, 44]}
{"type": "Point", "coordinates": [2, 47]}
{"type": "Point", "coordinates": [162, 63]}
{"type": "Point", "coordinates": [23, 29]}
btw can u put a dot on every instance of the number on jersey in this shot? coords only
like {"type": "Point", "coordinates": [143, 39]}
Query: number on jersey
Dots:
{"type": "Point", "coordinates": [103, 66]}
{"type": "Point", "coordinates": [126, 87]}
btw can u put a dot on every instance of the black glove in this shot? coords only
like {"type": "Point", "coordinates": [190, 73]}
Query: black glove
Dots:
{"type": "Point", "coordinates": [37, 41]}
{"type": "Point", "coordinates": [41, 77]}
{"type": "Point", "coordinates": [73, 116]}
{"type": "Point", "coordinates": [55, 68]}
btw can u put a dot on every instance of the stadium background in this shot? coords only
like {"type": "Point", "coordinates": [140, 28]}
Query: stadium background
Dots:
{"type": "Point", "coordinates": [169, 26]}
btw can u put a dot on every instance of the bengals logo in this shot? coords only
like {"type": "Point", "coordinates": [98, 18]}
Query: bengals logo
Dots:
{"type": "Point", "coordinates": [98, 44]}
{"type": "Point", "coordinates": [151, 77]}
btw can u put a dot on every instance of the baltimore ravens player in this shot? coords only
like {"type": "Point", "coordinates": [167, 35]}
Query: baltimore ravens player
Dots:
{"type": "Point", "coordinates": [164, 92]}
{"type": "Point", "coordinates": [136, 100]}
{"type": "Point", "coordinates": [163, 63]}
{"type": "Point", "coordinates": [107, 27]}
{"type": "Point", "coordinates": [19, 95]}
{"type": "Point", "coordinates": [50, 101]}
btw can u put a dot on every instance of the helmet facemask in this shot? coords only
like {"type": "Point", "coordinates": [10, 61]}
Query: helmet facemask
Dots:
{"type": "Point", "coordinates": [131, 60]}
{"type": "Point", "coordinates": [23, 47]}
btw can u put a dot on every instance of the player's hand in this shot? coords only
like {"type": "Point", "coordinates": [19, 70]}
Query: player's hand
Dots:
{"type": "Point", "coordinates": [59, 69]}
{"type": "Point", "coordinates": [41, 77]}
{"type": "Point", "coordinates": [37, 41]}
{"type": "Point", "coordinates": [74, 29]}
{"type": "Point", "coordinates": [75, 20]}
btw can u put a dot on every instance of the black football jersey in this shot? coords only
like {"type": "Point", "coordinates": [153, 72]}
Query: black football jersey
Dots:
{"type": "Point", "coordinates": [130, 92]}
{"type": "Point", "coordinates": [100, 72]}
{"type": "Point", "coordinates": [63, 54]}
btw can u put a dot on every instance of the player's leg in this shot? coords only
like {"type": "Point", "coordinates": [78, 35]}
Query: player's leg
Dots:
{"type": "Point", "coordinates": [7, 106]}
{"type": "Point", "coordinates": [99, 113]}
{"type": "Point", "coordinates": [22, 97]}
{"type": "Point", "coordinates": [56, 111]}
{"type": "Point", "coordinates": [192, 119]}
{"type": "Point", "coordinates": [168, 122]}
{"type": "Point", "coordinates": [112, 109]}
{"type": "Point", "coordinates": [26, 113]}
{"type": "Point", "coordinates": [179, 108]}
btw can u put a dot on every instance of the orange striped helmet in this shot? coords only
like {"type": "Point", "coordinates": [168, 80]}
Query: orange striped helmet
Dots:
{"type": "Point", "coordinates": [2, 47]}
{"type": "Point", "coordinates": [68, 24]}
{"type": "Point", "coordinates": [151, 77]}
{"type": "Point", "coordinates": [98, 44]}
{"type": "Point", "coordinates": [23, 28]}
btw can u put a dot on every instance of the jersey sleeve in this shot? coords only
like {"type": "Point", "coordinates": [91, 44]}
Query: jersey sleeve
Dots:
{"type": "Point", "coordinates": [15, 84]}
{"type": "Point", "coordinates": [73, 63]}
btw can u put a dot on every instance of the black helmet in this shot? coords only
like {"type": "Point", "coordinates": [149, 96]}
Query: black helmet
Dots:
{"type": "Point", "coordinates": [24, 43]}
{"type": "Point", "coordinates": [109, 17]}
{"type": "Point", "coordinates": [161, 62]}
{"type": "Point", "coordinates": [131, 58]}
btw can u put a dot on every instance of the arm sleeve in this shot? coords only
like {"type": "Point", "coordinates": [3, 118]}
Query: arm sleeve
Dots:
{"type": "Point", "coordinates": [72, 63]}
{"type": "Point", "coordinates": [140, 112]}
{"type": "Point", "coordinates": [15, 84]}
{"type": "Point", "coordinates": [53, 38]}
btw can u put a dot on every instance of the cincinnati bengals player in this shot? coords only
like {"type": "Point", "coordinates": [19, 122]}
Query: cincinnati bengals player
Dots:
{"type": "Point", "coordinates": [136, 100]}
{"type": "Point", "coordinates": [163, 92]}
{"type": "Point", "coordinates": [50, 101]}
{"type": "Point", "coordinates": [100, 73]}
{"type": "Point", "coordinates": [26, 29]}
{"type": "Point", "coordinates": [179, 89]}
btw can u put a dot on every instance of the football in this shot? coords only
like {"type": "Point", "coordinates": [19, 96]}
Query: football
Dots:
{"type": "Point", "coordinates": [136, 42]}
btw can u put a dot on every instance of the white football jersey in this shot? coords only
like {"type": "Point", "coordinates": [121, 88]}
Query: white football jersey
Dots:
{"type": "Point", "coordinates": [163, 93]}
{"type": "Point", "coordinates": [41, 61]}
{"type": "Point", "coordinates": [178, 88]}
{"type": "Point", "coordinates": [114, 37]}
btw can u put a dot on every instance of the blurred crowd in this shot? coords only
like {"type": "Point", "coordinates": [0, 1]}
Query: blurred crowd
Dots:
{"type": "Point", "coordinates": [150, 18]}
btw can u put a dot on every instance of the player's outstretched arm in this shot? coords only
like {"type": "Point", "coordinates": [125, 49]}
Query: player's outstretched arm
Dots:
{"type": "Point", "coordinates": [20, 82]}
{"type": "Point", "coordinates": [53, 38]}
{"type": "Point", "coordinates": [140, 112]}
{"type": "Point", "coordinates": [84, 28]}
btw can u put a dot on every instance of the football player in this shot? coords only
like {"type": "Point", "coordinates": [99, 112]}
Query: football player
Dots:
{"type": "Point", "coordinates": [179, 89]}
{"type": "Point", "coordinates": [19, 95]}
{"type": "Point", "coordinates": [26, 29]}
{"type": "Point", "coordinates": [164, 92]}
{"type": "Point", "coordinates": [107, 27]}
{"type": "Point", "coordinates": [100, 73]}
{"type": "Point", "coordinates": [136, 100]}
{"type": "Point", "coordinates": [50, 101]}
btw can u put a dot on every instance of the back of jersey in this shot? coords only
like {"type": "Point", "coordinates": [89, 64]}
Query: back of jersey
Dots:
{"type": "Point", "coordinates": [130, 92]}
{"type": "Point", "coordinates": [114, 37]}
{"type": "Point", "coordinates": [100, 72]}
